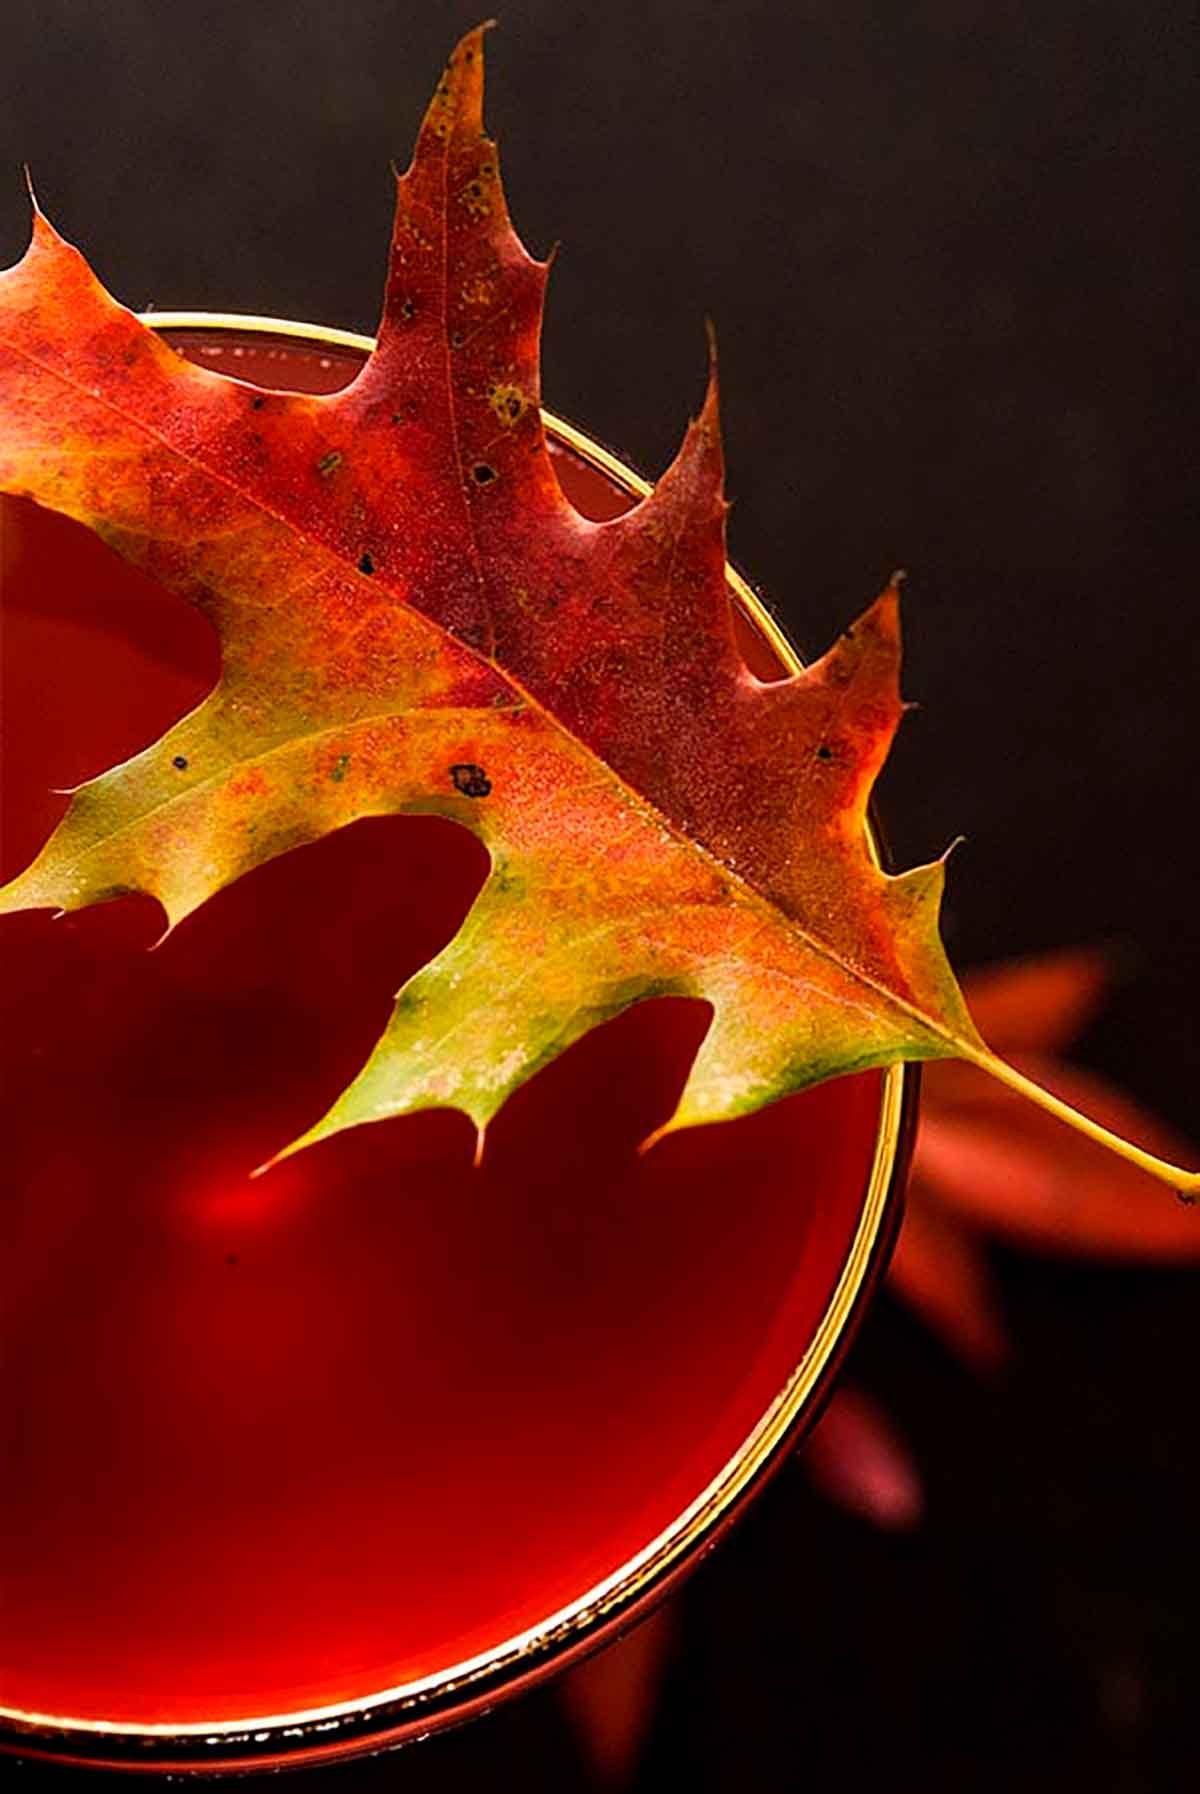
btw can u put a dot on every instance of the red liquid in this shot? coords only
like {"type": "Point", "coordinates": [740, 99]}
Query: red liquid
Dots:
{"type": "Point", "coordinates": [280, 1444]}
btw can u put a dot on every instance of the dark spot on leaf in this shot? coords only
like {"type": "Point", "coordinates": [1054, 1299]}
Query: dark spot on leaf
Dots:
{"type": "Point", "coordinates": [470, 779]}
{"type": "Point", "coordinates": [407, 310]}
{"type": "Point", "coordinates": [329, 464]}
{"type": "Point", "coordinates": [258, 403]}
{"type": "Point", "coordinates": [365, 564]}
{"type": "Point", "coordinates": [339, 768]}
{"type": "Point", "coordinates": [824, 752]}
{"type": "Point", "coordinates": [508, 402]}
{"type": "Point", "coordinates": [456, 339]}
{"type": "Point", "coordinates": [482, 474]}
{"type": "Point", "coordinates": [180, 763]}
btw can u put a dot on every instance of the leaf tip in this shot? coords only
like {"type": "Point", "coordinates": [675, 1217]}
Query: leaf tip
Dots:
{"type": "Point", "coordinates": [285, 1152]}
{"type": "Point", "coordinates": [710, 412]}
{"type": "Point", "coordinates": [162, 939]}
{"type": "Point", "coordinates": [457, 103]}
{"type": "Point", "coordinates": [886, 608]}
{"type": "Point", "coordinates": [710, 337]}
{"type": "Point", "coordinates": [27, 175]}
{"type": "Point", "coordinates": [652, 1139]}
{"type": "Point", "coordinates": [42, 234]}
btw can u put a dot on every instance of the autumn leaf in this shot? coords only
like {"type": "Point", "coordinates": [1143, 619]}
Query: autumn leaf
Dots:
{"type": "Point", "coordinates": [412, 618]}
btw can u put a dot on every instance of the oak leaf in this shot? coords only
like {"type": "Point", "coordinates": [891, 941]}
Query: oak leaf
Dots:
{"type": "Point", "coordinates": [413, 618]}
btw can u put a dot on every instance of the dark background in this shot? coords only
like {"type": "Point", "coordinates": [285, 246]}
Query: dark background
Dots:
{"type": "Point", "coordinates": [950, 255]}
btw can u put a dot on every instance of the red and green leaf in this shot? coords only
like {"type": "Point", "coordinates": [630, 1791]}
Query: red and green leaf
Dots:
{"type": "Point", "coordinates": [413, 618]}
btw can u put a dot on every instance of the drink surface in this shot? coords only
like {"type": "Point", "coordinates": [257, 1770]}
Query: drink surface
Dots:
{"type": "Point", "coordinates": [278, 1444]}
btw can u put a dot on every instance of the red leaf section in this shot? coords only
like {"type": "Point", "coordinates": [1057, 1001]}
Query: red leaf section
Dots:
{"type": "Point", "coordinates": [987, 1164]}
{"type": "Point", "coordinates": [940, 1269]}
{"type": "Point", "coordinates": [857, 1458]}
{"type": "Point", "coordinates": [1006, 1169]}
{"type": "Point", "coordinates": [1039, 1005]}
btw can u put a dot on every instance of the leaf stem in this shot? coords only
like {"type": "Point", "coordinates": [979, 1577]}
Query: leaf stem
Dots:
{"type": "Point", "coordinates": [1186, 1184]}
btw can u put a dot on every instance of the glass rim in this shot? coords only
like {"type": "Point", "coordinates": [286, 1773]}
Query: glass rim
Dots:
{"type": "Point", "coordinates": [462, 1690]}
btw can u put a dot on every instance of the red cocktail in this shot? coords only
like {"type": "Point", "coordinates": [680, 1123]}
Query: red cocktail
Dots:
{"type": "Point", "coordinates": [295, 1464]}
